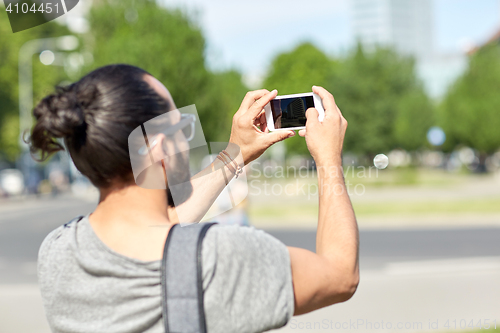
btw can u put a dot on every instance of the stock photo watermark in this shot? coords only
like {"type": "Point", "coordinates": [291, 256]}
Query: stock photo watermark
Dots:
{"type": "Point", "coordinates": [264, 179]}
{"type": "Point", "coordinates": [364, 324]}
{"type": "Point", "coordinates": [27, 14]}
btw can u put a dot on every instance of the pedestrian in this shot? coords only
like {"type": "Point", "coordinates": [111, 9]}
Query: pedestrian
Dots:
{"type": "Point", "coordinates": [102, 273]}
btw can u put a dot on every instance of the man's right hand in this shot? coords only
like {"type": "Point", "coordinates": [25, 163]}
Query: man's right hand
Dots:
{"type": "Point", "coordinates": [249, 130]}
{"type": "Point", "coordinates": [325, 139]}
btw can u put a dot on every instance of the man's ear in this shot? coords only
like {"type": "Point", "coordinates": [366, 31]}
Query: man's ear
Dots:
{"type": "Point", "coordinates": [159, 150]}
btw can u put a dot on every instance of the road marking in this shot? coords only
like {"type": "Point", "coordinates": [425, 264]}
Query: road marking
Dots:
{"type": "Point", "coordinates": [472, 264]}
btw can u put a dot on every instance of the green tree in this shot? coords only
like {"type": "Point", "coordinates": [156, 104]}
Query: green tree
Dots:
{"type": "Point", "coordinates": [383, 101]}
{"type": "Point", "coordinates": [221, 98]}
{"type": "Point", "coordinates": [44, 79]}
{"type": "Point", "coordinates": [296, 72]}
{"type": "Point", "coordinates": [169, 45]}
{"type": "Point", "coordinates": [415, 116]}
{"type": "Point", "coordinates": [470, 113]}
{"type": "Point", "coordinates": [378, 93]}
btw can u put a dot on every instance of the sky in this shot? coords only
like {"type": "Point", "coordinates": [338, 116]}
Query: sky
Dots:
{"type": "Point", "coordinates": [246, 35]}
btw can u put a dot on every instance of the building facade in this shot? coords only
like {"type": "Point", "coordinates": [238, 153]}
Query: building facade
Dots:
{"type": "Point", "coordinates": [406, 25]}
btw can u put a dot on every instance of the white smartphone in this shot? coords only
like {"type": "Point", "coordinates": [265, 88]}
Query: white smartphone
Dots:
{"type": "Point", "coordinates": [288, 112]}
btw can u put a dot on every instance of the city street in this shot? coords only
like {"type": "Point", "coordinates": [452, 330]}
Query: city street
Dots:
{"type": "Point", "coordinates": [419, 278]}
{"type": "Point", "coordinates": [100, 92]}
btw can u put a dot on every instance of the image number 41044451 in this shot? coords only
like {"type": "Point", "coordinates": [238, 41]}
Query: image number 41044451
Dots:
{"type": "Point", "coordinates": [26, 14]}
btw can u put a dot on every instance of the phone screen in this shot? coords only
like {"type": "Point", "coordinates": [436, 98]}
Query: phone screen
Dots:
{"type": "Point", "coordinates": [291, 112]}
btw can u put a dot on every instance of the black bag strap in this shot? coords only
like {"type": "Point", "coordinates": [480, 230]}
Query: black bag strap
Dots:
{"type": "Point", "coordinates": [181, 279]}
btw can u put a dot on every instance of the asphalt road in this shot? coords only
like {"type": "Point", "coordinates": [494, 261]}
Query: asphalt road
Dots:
{"type": "Point", "coordinates": [380, 247]}
{"type": "Point", "coordinates": [24, 224]}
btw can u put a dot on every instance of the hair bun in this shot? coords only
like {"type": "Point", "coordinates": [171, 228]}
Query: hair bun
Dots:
{"type": "Point", "coordinates": [60, 114]}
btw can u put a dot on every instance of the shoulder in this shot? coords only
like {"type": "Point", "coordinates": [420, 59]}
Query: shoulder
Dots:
{"type": "Point", "coordinates": [58, 236]}
{"type": "Point", "coordinates": [56, 244]}
{"type": "Point", "coordinates": [53, 256]}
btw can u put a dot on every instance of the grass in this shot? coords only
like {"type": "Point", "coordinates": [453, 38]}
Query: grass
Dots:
{"type": "Point", "coordinates": [403, 177]}
{"type": "Point", "coordinates": [371, 176]}
{"type": "Point", "coordinates": [392, 180]}
{"type": "Point", "coordinates": [484, 330]}
{"type": "Point", "coordinates": [421, 207]}
{"type": "Point", "coordinates": [384, 208]}
{"type": "Point", "coordinates": [283, 211]}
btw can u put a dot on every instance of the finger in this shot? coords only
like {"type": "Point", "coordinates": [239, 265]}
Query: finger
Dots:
{"type": "Point", "coordinates": [259, 104]}
{"type": "Point", "coordinates": [250, 98]}
{"type": "Point", "coordinates": [312, 117]}
{"type": "Point", "coordinates": [260, 120]}
{"type": "Point", "coordinates": [257, 120]}
{"type": "Point", "coordinates": [302, 132]}
{"type": "Point", "coordinates": [262, 116]}
{"type": "Point", "coordinates": [326, 98]}
{"type": "Point", "coordinates": [263, 122]}
{"type": "Point", "coordinates": [277, 136]}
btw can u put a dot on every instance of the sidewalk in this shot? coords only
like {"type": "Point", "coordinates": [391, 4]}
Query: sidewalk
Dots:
{"type": "Point", "coordinates": [424, 221]}
{"type": "Point", "coordinates": [415, 297]}
{"type": "Point", "coordinates": [21, 309]}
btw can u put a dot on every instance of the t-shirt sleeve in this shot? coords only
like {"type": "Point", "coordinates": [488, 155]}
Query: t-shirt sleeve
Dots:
{"type": "Point", "coordinates": [247, 280]}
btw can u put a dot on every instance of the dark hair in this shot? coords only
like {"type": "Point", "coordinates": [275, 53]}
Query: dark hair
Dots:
{"type": "Point", "coordinates": [95, 117]}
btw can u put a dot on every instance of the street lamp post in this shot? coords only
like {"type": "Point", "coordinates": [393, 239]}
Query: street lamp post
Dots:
{"type": "Point", "coordinates": [26, 52]}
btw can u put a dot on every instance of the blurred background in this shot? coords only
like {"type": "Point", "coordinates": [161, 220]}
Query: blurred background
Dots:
{"type": "Point", "coordinates": [417, 80]}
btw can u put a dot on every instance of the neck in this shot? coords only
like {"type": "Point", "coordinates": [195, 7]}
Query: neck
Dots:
{"type": "Point", "coordinates": [132, 221]}
{"type": "Point", "coordinates": [132, 205]}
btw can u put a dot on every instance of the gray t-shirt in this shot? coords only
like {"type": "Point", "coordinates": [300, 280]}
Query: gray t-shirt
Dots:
{"type": "Point", "coordinates": [87, 287]}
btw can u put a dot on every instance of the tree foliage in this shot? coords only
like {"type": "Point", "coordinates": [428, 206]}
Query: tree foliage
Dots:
{"type": "Point", "coordinates": [44, 79]}
{"type": "Point", "coordinates": [170, 46]}
{"type": "Point", "coordinates": [470, 113]}
{"type": "Point", "coordinates": [296, 72]}
{"type": "Point", "coordinates": [378, 93]}
{"type": "Point", "coordinates": [165, 42]}
{"type": "Point", "coordinates": [383, 101]}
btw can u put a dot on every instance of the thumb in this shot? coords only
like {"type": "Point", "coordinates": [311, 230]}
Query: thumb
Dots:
{"type": "Point", "coordinates": [312, 117]}
{"type": "Point", "coordinates": [273, 137]}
